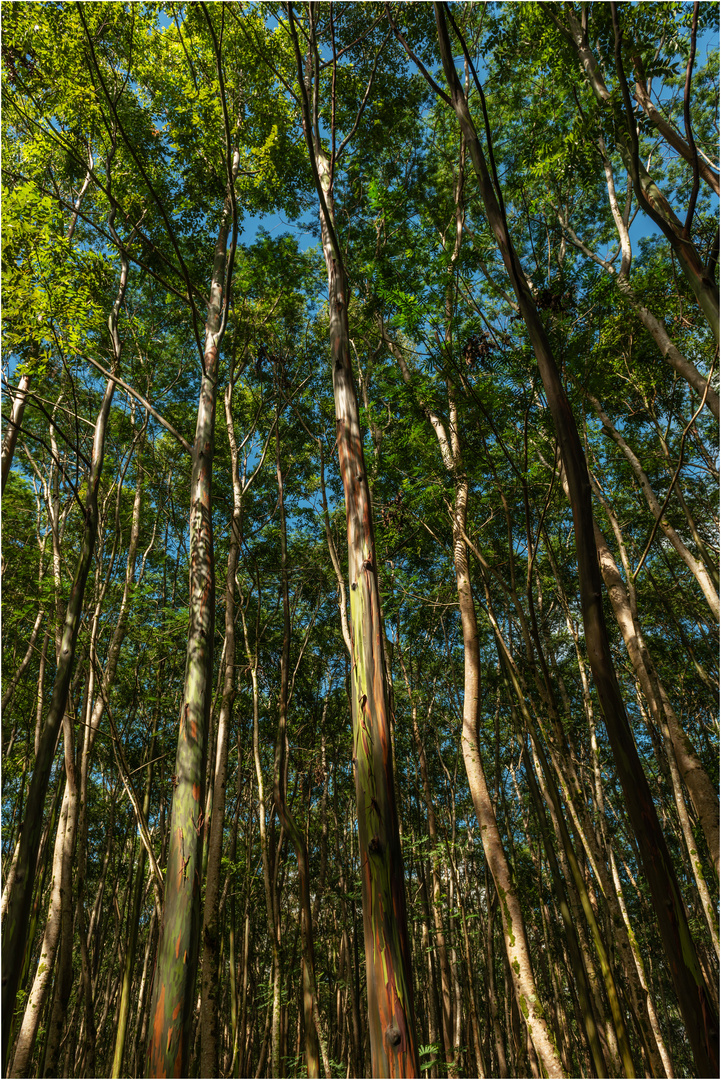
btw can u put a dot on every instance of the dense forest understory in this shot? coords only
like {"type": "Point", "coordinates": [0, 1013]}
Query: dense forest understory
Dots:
{"type": "Point", "coordinates": [360, 560]}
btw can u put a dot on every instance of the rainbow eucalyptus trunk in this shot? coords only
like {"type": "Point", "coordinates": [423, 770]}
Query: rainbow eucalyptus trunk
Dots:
{"type": "Point", "coordinates": [388, 960]}
{"type": "Point", "coordinates": [697, 1008]}
{"type": "Point", "coordinates": [391, 1017]}
{"type": "Point", "coordinates": [178, 947]}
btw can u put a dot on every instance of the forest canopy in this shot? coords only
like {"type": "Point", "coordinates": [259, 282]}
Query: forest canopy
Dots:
{"type": "Point", "coordinates": [360, 560]}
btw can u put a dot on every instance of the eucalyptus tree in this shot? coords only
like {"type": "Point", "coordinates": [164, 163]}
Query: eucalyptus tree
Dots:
{"type": "Point", "coordinates": [390, 986]}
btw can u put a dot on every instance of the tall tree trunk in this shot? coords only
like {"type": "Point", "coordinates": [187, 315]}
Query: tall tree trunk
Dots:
{"type": "Point", "coordinates": [512, 918]}
{"type": "Point", "coordinates": [512, 922]}
{"type": "Point", "coordinates": [388, 960]}
{"type": "Point", "coordinates": [64, 973]}
{"type": "Point", "coordinates": [178, 947]}
{"type": "Point", "coordinates": [13, 427]}
{"type": "Point", "coordinates": [209, 1013]}
{"type": "Point", "coordinates": [46, 962]}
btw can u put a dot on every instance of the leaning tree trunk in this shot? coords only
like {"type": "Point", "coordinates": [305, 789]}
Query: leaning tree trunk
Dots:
{"type": "Point", "coordinates": [13, 426]}
{"type": "Point", "coordinates": [697, 1008]}
{"type": "Point", "coordinates": [46, 962]}
{"type": "Point", "coordinates": [619, 110]}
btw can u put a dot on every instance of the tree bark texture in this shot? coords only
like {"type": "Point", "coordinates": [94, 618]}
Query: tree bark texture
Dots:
{"type": "Point", "coordinates": [178, 947]}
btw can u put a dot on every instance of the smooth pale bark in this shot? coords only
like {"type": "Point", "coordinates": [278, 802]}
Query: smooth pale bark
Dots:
{"type": "Point", "coordinates": [511, 915]}
{"type": "Point", "coordinates": [669, 350]}
{"type": "Point", "coordinates": [13, 427]}
{"type": "Point", "coordinates": [64, 972]}
{"type": "Point", "coordinates": [46, 961]}
{"type": "Point", "coordinates": [388, 959]}
{"type": "Point", "coordinates": [178, 947]}
{"type": "Point", "coordinates": [45, 864]}
{"type": "Point", "coordinates": [698, 1010]}
{"type": "Point", "coordinates": [20, 396]}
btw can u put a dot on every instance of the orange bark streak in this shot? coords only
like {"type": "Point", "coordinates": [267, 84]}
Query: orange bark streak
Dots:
{"type": "Point", "coordinates": [158, 1019]}
{"type": "Point", "coordinates": [196, 792]}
